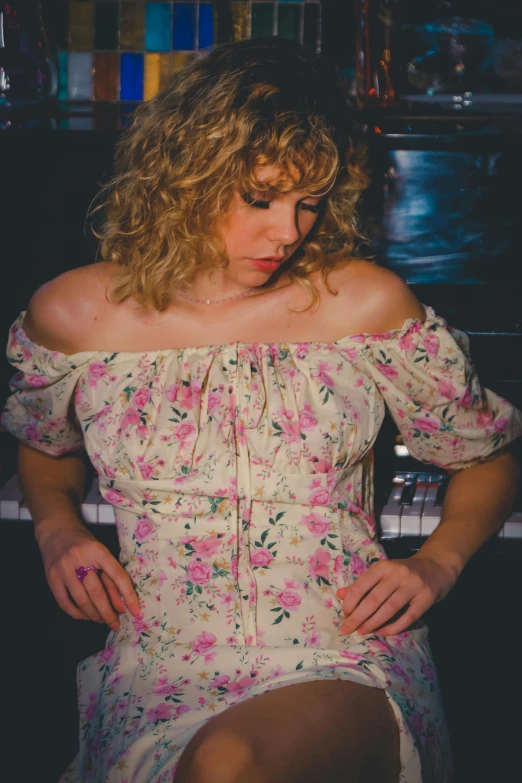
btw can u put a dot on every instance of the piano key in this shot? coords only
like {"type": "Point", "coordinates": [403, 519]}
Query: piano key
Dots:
{"type": "Point", "coordinates": [90, 504]}
{"type": "Point", "coordinates": [431, 512]}
{"type": "Point", "coordinates": [105, 512]}
{"type": "Point", "coordinates": [10, 499]}
{"type": "Point", "coordinates": [513, 525]}
{"type": "Point", "coordinates": [24, 511]}
{"type": "Point", "coordinates": [390, 518]}
{"type": "Point", "coordinates": [411, 512]}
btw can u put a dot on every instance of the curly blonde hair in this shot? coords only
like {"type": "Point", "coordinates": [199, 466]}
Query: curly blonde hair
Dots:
{"type": "Point", "coordinates": [259, 102]}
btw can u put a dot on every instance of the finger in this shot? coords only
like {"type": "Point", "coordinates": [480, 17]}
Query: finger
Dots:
{"type": "Point", "coordinates": [123, 582]}
{"type": "Point", "coordinates": [368, 606]}
{"type": "Point", "coordinates": [355, 592]}
{"type": "Point", "coordinates": [98, 595]}
{"type": "Point", "coordinates": [390, 611]}
{"type": "Point", "coordinates": [82, 600]}
{"type": "Point", "coordinates": [64, 602]}
{"type": "Point", "coordinates": [114, 593]}
{"type": "Point", "coordinates": [410, 616]}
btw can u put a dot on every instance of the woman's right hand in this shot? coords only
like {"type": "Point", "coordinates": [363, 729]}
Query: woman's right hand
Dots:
{"type": "Point", "coordinates": [99, 598]}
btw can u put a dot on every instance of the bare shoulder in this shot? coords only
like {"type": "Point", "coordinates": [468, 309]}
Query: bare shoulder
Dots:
{"type": "Point", "coordinates": [372, 298]}
{"type": "Point", "coordinates": [62, 311]}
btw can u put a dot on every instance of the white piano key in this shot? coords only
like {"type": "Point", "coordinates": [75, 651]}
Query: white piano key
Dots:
{"type": "Point", "coordinates": [90, 505]}
{"type": "Point", "coordinates": [24, 511]}
{"type": "Point", "coordinates": [390, 518]}
{"type": "Point", "coordinates": [106, 513]}
{"type": "Point", "coordinates": [411, 514]}
{"type": "Point", "coordinates": [430, 513]}
{"type": "Point", "coordinates": [513, 525]}
{"type": "Point", "coordinates": [10, 499]}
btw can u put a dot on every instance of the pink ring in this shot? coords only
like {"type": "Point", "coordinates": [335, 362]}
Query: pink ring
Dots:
{"type": "Point", "coordinates": [82, 571]}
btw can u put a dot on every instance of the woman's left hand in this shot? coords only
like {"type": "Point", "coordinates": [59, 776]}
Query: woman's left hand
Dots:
{"type": "Point", "coordinates": [410, 586]}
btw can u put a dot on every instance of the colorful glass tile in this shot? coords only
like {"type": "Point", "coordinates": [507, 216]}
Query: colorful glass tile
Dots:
{"type": "Point", "coordinates": [263, 18]}
{"type": "Point", "coordinates": [80, 27]}
{"type": "Point", "coordinates": [157, 71]}
{"type": "Point", "coordinates": [206, 25]}
{"type": "Point", "coordinates": [106, 25]}
{"type": "Point", "coordinates": [158, 27]}
{"type": "Point", "coordinates": [63, 65]}
{"type": "Point", "coordinates": [79, 76]}
{"type": "Point", "coordinates": [288, 21]}
{"type": "Point", "coordinates": [180, 59]}
{"type": "Point", "coordinates": [132, 25]}
{"type": "Point", "coordinates": [184, 34]}
{"type": "Point", "coordinates": [240, 21]}
{"type": "Point", "coordinates": [131, 69]}
{"type": "Point", "coordinates": [106, 76]}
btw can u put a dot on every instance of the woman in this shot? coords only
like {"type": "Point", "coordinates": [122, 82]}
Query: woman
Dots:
{"type": "Point", "coordinates": [240, 467]}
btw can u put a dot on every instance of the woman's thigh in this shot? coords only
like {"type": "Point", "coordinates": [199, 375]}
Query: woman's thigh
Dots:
{"type": "Point", "coordinates": [327, 730]}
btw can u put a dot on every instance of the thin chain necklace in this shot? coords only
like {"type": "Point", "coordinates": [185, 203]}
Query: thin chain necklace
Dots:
{"type": "Point", "coordinates": [217, 301]}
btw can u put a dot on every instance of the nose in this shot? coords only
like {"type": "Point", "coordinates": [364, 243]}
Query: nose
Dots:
{"type": "Point", "coordinates": [284, 227]}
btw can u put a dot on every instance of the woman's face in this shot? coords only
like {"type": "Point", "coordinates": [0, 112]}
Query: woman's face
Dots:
{"type": "Point", "coordinates": [265, 225]}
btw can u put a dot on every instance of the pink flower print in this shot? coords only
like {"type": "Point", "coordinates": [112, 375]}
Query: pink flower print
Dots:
{"type": "Point", "coordinates": [406, 342]}
{"type": "Point", "coordinates": [501, 424]}
{"type": "Point", "coordinates": [190, 395]}
{"type": "Point", "coordinates": [160, 712]}
{"type": "Point", "coordinates": [324, 378]}
{"type": "Point", "coordinates": [302, 350]}
{"type": "Point", "coordinates": [130, 418]}
{"type": "Point", "coordinates": [36, 380]}
{"type": "Point", "coordinates": [139, 624]}
{"type": "Point", "coordinates": [262, 557]}
{"type": "Point", "coordinates": [314, 640]}
{"type": "Point", "coordinates": [319, 497]}
{"type": "Point", "coordinates": [107, 654]}
{"type": "Point", "coordinates": [187, 539]}
{"type": "Point", "coordinates": [213, 401]}
{"type": "Point", "coordinates": [380, 646]}
{"type": "Point", "coordinates": [240, 686]}
{"type": "Point", "coordinates": [338, 566]}
{"type": "Point", "coordinates": [431, 344]}
{"type": "Point", "coordinates": [427, 425]}
{"type": "Point", "coordinates": [143, 432]}
{"type": "Point", "coordinates": [30, 432]}
{"type": "Point", "coordinates": [387, 370]}
{"type": "Point", "coordinates": [484, 418]}
{"type": "Point", "coordinates": [198, 572]}
{"type": "Point", "coordinates": [291, 431]}
{"type": "Point", "coordinates": [141, 398]}
{"type": "Point", "coordinates": [447, 389]}
{"type": "Point", "coordinates": [204, 642]}
{"type": "Point", "coordinates": [146, 468]}
{"type": "Point", "coordinates": [96, 371]}
{"type": "Point", "coordinates": [144, 529]}
{"type": "Point", "coordinates": [466, 399]}
{"type": "Point", "coordinates": [357, 565]}
{"type": "Point", "coordinates": [220, 680]}
{"type": "Point", "coordinates": [184, 430]}
{"type": "Point", "coordinates": [417, 720]}
{"type": "Point", "coordinates": [109, 472]}
{"type": "Point", "coordinates": [316, 524]}
{"type": "Point", "coordinates": [306, 418]}
{"type": "Point", "coordinates": [286, 413]}
{"type": "Point", "coordinates": [428, 671]}
{"type": "Point", "coordinates": [164, 687]}
{"type": "Point", "coordinates": [319, 563]}
{"type": "Point", "coordinates": [113, 496]}
{"type": "Point", "coordinates": [172, 393]}
{"type": "Point", "coordinates": [322, 466]}
{"type": "Point", "coordinates": [234, 567]}
{"type": "Point", "coordinates": [207, 547]}
{"type": "Point", "coordinates": [289, 599]}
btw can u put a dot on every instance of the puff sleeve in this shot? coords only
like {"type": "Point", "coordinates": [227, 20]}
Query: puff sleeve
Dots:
{"type": "Point", "coordinates": [426, 376]}
{"type": "Point", "coordinates": [40, 410]}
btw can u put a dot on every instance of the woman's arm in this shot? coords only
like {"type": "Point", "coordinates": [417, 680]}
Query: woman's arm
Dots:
{"type": "Point", "coordinates": [477, 503]}
{"type": "Point", "coordinates": [52, 487]}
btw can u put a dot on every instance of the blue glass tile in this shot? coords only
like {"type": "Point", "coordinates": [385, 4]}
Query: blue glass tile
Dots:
{"type": "Point", "coordinates": [184, 26]}
{"type": "Point", "coordinates": [157, 27]}
{"type": "Point", "coordinates": [63, 67]}
{"type": "Point", "coordinates": [131, 71]}
{"type": "Point", "coordinates": [206, 25]}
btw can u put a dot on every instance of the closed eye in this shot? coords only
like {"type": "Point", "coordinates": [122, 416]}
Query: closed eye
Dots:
{"type": "Point", "coordinates": [263, 204]}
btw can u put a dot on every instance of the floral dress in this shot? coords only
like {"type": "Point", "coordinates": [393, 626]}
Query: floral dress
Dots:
{"type": "Point", "coordinates": [241, 477]}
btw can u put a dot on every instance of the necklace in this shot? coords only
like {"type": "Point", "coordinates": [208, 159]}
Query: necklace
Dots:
{"type": "Point", "coordinates": [217, 301]}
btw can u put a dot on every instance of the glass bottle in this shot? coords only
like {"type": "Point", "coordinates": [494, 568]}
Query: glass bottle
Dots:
{"type": "Point", "coordinates": [28, 72]}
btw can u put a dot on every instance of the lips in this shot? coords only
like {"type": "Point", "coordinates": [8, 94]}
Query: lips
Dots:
{"type": "Point", "coordinates": [266, 265]}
